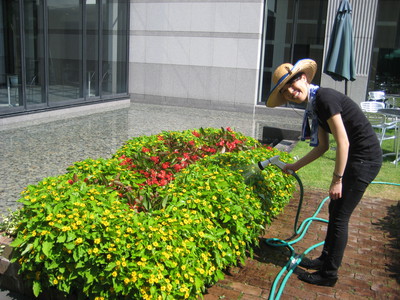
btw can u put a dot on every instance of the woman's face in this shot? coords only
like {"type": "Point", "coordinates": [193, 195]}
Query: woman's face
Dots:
{"type": "Point", "coordinates": [296, 90]}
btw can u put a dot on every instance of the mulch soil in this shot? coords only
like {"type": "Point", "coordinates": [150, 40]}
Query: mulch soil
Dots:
{"type": "Point", "coordinates": [370, 268]}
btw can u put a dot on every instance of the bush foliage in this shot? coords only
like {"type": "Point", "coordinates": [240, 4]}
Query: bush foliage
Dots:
{"type": "Point", "coordinates": [161, 219]}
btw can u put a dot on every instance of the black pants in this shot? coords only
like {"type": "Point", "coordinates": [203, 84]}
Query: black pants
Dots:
{"type": "Point", "coordinates": [356, 178]}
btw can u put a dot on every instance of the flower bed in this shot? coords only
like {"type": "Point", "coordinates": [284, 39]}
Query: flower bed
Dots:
{"type": "Point", "coordinates": [160, 219]}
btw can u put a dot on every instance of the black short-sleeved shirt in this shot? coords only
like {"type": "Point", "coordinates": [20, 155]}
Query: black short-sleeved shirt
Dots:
{"type": "Point", "coordinates": [363, 141]}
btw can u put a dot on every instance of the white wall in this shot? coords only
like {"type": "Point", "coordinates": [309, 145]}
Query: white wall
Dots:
{"type": "Point", "coordinates": [194, 53]}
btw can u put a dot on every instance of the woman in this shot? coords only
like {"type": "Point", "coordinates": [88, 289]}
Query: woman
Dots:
{"type": "Point", "coordinates": [358, 156]}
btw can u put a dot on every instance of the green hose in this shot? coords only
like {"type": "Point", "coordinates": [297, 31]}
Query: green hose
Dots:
{"type": "Point", "coordinates": [299, 232]}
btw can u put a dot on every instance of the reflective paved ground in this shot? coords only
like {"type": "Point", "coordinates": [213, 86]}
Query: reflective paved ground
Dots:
{"type": "Point", "coordinates": [31, 150]}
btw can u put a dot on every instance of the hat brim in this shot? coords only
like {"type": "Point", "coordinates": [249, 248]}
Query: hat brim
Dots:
{"type": "Point", "coordinates": [306, 66]}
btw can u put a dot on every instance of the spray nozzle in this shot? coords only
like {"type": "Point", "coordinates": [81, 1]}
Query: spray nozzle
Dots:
{"type": "Point", "coordinates": [273, 161]}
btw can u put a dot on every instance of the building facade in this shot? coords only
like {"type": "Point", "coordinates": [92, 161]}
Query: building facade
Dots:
{"type": "Point", "coordinates": [216, 54]}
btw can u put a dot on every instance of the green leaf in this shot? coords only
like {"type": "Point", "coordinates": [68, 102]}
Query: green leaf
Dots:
{"type": "Point", "coordinates": [17, 242]}
{"type": "Point", "coordinates": [165, 201]}
{"type": "Point", "coordinates": [46, 247]}
{"type": "Point", "coordinates": [110, 266]}
{"type": "Point", "coordinates": [61, 238]}
{"type": "Point", "coordinates": [27, 249]}
{"type": "Point", "coordinates": [52, 265]}
{"type": "Point", "coordinates": [227, 218]}
{"type": "Point", "coordinates": [37, 288]}
{"type": "Point", "coordinates": [89, 276]}
{"type": "Point", "coordinates": [198, 282]}
{"type": "Point", "coordinates": [71, 236]}
{"type": "Point", "coordinates": [69, 246]}
{"type": "Point", "coordinates": [219, 274]}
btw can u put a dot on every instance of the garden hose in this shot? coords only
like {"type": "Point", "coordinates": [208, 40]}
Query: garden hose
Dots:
{"type": "Point", "coordinates": [299, 232]}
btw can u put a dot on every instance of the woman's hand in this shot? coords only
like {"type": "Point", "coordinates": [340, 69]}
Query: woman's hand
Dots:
{"type": "Point", "coordinates": [342, 151]}
{"type": "Point", "coordinates": [289, 168]}
{"type": "Point", "coordinates": [335, 191]}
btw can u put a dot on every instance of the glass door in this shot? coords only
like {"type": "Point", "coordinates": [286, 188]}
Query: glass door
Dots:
{"type": "Point", "coordinates": [64, 51]}
{"type": "Point", "coordinates": [34, 54]}
{"type": "Point", "coordinates": [92, 48]}
{"type": "Point", "coordinates": [114, 50]}
{"type": "Point", "coordinates": [10, 53]}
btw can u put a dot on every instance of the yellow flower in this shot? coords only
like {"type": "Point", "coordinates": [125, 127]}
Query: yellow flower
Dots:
{"type": "Point", "coordinates": [114, 274]}
{"type": "Point", "coordinates": [78, 241]}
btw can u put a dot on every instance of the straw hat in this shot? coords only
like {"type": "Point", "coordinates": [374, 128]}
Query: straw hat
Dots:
{"type": "Point", "coordinates": [284, 73]}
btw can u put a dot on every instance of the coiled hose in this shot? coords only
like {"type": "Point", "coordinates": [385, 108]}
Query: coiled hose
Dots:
{"type": "Point", "coordinates": [299, 232]}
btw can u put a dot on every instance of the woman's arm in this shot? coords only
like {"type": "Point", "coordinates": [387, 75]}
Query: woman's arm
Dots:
{"type": "Point", "coordinates": [316, 152]}
{"type": "Point", "coordinates": [342, 142]}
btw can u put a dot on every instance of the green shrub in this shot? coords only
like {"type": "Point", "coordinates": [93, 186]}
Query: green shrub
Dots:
{"type": "Point", "coordinates": [161, 219]}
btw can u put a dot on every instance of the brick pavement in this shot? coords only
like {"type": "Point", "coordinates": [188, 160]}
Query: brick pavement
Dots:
{"type": "Point", "coordinates": [370, 268]}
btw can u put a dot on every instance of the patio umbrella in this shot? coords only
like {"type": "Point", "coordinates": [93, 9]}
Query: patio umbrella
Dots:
{"type": "Point", "coordinates": [340, 58]}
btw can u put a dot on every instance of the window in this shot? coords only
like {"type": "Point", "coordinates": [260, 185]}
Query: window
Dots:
{"type": "Point", "coordinates": [385, 65]}
{"type": "Point", "coordinates": [57, 53]}
{"type": "Point", "coordinates": [64, 51]}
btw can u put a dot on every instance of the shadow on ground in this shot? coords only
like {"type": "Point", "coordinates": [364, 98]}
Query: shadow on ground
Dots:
{"type": "Point", "coordinates": [391, 224]}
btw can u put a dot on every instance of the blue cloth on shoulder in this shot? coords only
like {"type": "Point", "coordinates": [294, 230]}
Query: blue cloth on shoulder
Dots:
{"type": "Point", "coordinates": [307, 132]}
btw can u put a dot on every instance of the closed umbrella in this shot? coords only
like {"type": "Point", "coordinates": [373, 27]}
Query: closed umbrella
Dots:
{"type": "Point", "coordinates": [340, 58]}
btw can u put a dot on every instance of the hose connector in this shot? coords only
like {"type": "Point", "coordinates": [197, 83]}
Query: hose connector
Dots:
{"type": "Point", "coordinates": [273, 161]}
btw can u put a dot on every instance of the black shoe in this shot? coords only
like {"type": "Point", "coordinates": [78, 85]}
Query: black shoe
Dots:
{"type": "Point", "coordinates": [313, 264]}
{"type": "Point", "coordinates": [318, 279]}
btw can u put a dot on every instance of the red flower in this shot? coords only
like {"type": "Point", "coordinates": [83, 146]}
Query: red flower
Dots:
{"type": "Point", "coordinates": [144, 150]}
{"type": "Point", "coordinates": [70, 181]}
{"type": "Point", "coordinates": [165, 165]}
{"type": "Point", "coordinates": [195, 133]}
{"type": "Point", "coordinates": [155, 159]}
{"type": "Point", "coordinates": [177, 167]}
{"type": "Point", "coordinates": [229, 129]}
{"type": "Point", "coordinates": [220, 143]}
{"type": "Point", "coordinates": [163, 182]}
